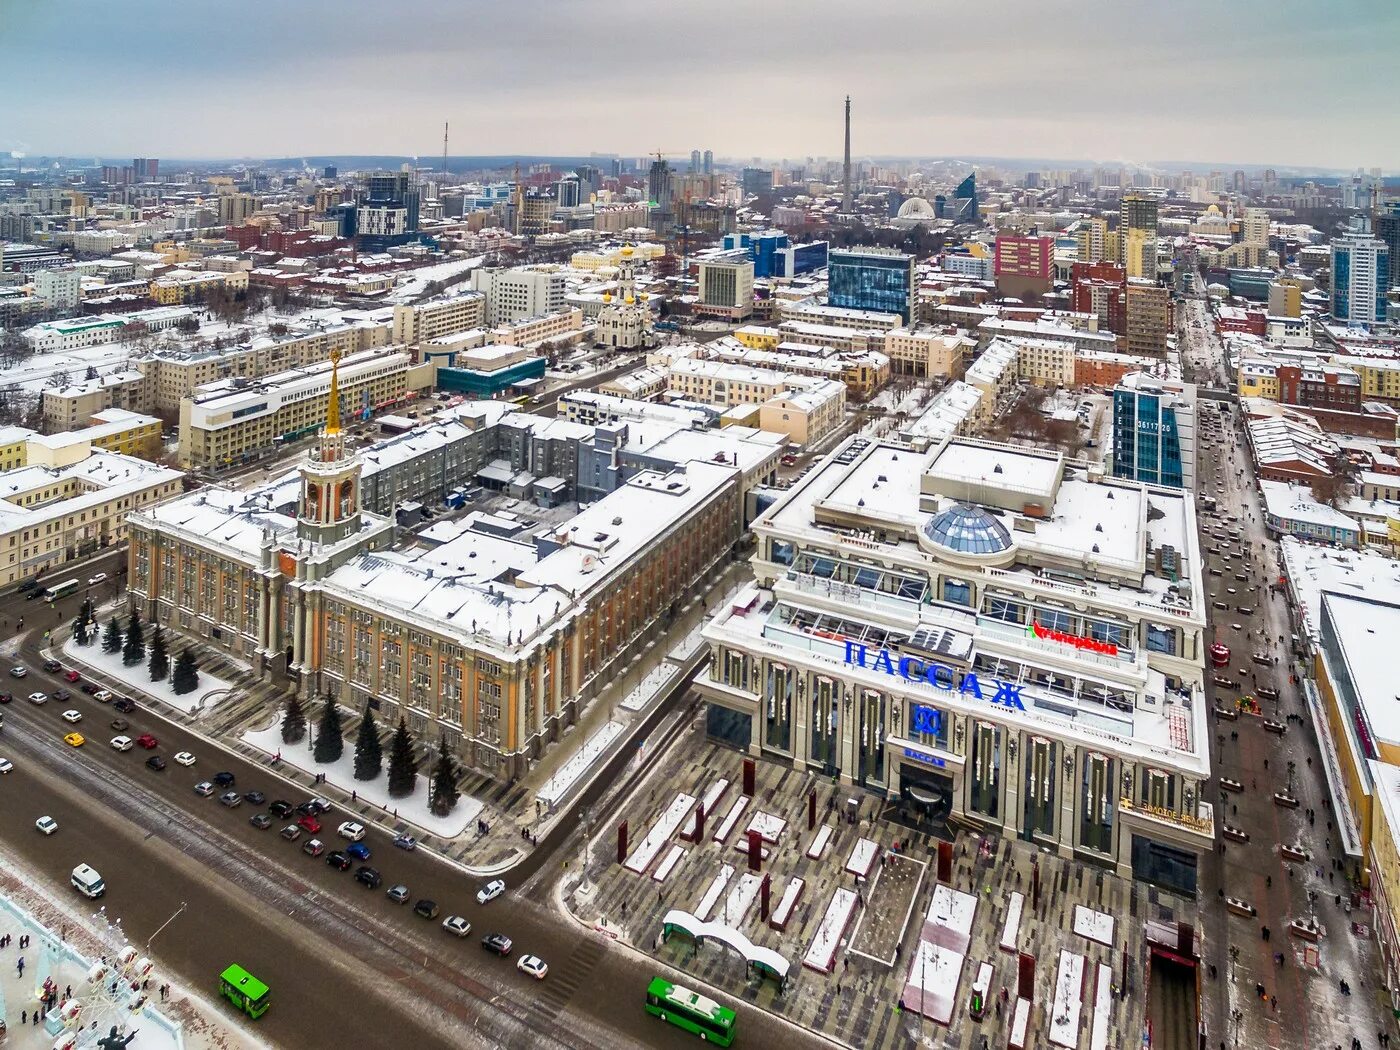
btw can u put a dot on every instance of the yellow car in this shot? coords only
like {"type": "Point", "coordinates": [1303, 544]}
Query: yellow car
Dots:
{"type": "Point", "coordinates": [74, 739]}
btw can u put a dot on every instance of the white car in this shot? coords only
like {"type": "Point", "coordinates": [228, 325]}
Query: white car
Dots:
{"type": "Point", "coordinates": [72, 716]}
{"type": "Point", "coordinates": [38, 698]}
{"type": "Point", "coordinates": [184, 758]}
{"type": "Point", "coordinates": [93, 581]}
{"type": "Point", "coordinates": [102, 696]}
{"type": "Point", "coordinates": [533, 965]}
{"type": "Point", "coordinates": [18, 672]}
{"type": "Point", "coordinates": [456, 925]}
{"type": "Point", "coordinates": [352, 831]}
{"type": "Point", "coordinates": [490, 891]}
{"type": "Point", "coordinates": [6, 765]}
{"type": "Point", "coordinates": [47, 825]}
{"type": "Point", "coordinates": [121, 743]}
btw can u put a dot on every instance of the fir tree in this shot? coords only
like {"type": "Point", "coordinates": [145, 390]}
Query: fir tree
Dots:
{"type": "Point", "coordinates": [293, 721]}
{"type": "Point", "coordinates": [445, 794]}
{"type": "Point", "coordinates": [403, 766]}
{"type": "Point", "coordinates": [369, 753]}
{"type": "Point", "coordinates": [330, 742]}
{"type": "Point", "coordinates": [135, 648]}
{"type": "Point", "coordinates": [88, 617]}
{"type": "Point", "coordinates": [80, 631]}
{"type": "Point", "coordinates": [186, 676]}
{"type": "Point", "coordinates": [160, 660]}
{"type": "Point", "coordinates": [112, 637]}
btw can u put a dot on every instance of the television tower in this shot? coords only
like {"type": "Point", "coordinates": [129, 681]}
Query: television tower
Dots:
{"type": "Point", "coordinates": [846, 205]}
{"type": "Point", "coordinates": [444, 147]}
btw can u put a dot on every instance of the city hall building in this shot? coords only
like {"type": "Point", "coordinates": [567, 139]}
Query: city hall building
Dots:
{"type": "Point", "coordinates": [983, 635]}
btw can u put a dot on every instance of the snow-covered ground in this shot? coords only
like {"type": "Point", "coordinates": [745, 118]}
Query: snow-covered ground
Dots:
{"type": "Point", "coordinates": [417, 281]}
{"type": "Point", "coordinates": [1069, 1000]}
{"type": "Point", "coordinates": [640, 696]}
{"type": "Point", "coordinates": [413, 809]}
{"type": "Point", "coordinates": [559, 785]}
{"type": "Point", "coordinates": [712, 894]}
{"type": "Point", "coordinates": [660, 833]}
{"type": "Point", "coordinates": [821, 955]}
{"type": "Point", "coordinates": [137, 679]}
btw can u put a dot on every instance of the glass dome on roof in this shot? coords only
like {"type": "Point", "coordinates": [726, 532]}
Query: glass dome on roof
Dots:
{"type": "Point", "coordinates": [968, 530]}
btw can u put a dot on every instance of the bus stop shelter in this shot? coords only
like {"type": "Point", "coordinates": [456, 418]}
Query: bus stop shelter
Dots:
{"type": "Point", "coordinates": [764, 962]}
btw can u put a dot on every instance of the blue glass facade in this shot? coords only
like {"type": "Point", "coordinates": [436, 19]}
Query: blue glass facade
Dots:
{"type": "Point", "coordinates": [1146, 441]}
{"type": "Point", "coordinates": [866, 281]}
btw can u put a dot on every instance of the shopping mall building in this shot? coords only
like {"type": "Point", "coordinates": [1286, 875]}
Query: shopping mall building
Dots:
{"type": "Point", "coordinates": [986, 636]}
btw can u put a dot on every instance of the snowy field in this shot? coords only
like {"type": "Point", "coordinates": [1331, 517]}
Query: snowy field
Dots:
{"type": "Point", "coordinates": [417, 282]}
{"type": "Point", "coordinates": [413, 809]}
{"type": "Point", "coordinates": [138, 679]}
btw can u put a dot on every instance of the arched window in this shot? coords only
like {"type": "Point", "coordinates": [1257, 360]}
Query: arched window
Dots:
{"type": "Point", "coordinates": [347, 497]}
{"type": "Point", "coordinates": [312, 508]}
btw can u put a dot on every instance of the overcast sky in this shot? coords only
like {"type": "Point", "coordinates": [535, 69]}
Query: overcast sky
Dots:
{"type": "Point", "coordinates": [1250, 81]}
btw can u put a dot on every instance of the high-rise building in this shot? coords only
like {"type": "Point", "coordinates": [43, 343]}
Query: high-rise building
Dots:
{"type": "Point", "coordinates": [694, 161]}
{"type": "Point", "coordinates": [329, 172]}
{"type": "Point", "coordinates": [1254, 226]}
{"type": "Point", "coordinates": [726, 285]}
{"type": "Point", "coordinates": [1154, 431]}
{"type": "Point", "coordinates": [961, 206]}
{"type": "Point", "coordinates": [387, 215]}
{"type": "Point", "coordinates": [1387, 228]}
{"type": "Point", "coordinates": [569, 191]}
{"type": "Point", "coordinates": [1101, 289]}
{"type": "Point", "coordinates": [1360, 271]}
{"type": "Point", "coordinates": [757, 181]}
{"type": "Point", "coordinates": [145, 168]}
{"type": "Point", "coordinates": [1140, 253]}
{"type": "Point", "coordinates": [1149, 317]}
{"type": "Point", "coordinates": [1136, 212]}
{"type": "Point", "coordinates": [236, 208]}
{"type": "Point", "coordinates": [61, 287]}
{"type": "Point", "coordinates": [847, 200]}
{"type": "Point", "coordinates": [1093, 238]}
{"type": "Point", "coordinates": [709, 162]}
{"type": "Point", "coordinates": [872, 279]}
{"type": "Point", "coordinates": [1024, 265]}
{"type": "Point", "coordinates": [659, 191]}
{"type": "Point", "coordinates": [518, 293]}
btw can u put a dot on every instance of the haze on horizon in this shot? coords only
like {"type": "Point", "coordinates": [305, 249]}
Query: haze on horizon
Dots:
{"type": "Point", "coordinates": [1285, 82]}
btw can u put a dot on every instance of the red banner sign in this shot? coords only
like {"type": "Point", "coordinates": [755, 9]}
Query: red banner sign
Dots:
{"type": "Point", "coordinates": [1093, 645]}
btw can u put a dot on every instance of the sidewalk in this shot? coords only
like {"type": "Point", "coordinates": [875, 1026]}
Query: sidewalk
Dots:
{"type": "Point", "coordinates": [857, 1001]}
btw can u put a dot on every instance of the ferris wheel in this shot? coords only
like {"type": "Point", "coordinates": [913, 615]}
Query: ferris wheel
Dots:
{"type": "Point", "coordinates": [103, 1011]}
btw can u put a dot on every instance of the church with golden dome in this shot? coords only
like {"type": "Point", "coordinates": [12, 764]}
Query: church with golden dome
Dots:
{"type": "Point", "coordinates": [624, 323]}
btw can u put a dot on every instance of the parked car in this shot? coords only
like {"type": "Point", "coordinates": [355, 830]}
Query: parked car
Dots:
{"type": "Point", "coordinates": [407, 842]}
{"type": "Point", "coordinates": [352, 831]}
{"type": "Point", "coordinates": [125, 706]}
{"type": "Point", "coordinates": [398, 893]}
{"type": "Point", "coordinates": [230, 799]}
{"type": "Point", "coordinates": [280, 808]}
{"type": "Point", "coordinates": [310, 824]}
{"type": "Point", "coordinates": [254, 798]}
{"type": "Point", "coordinates": [184, 758]}
{"type": "Point", "coordinates": [224, 779]}
{"type": "Point", "coordinates": [358, 850]}
{"type": "Point", "coordinates": [52, 666]}
{"type": "Point", "coordinates": [72, 676]}
{"type": "Point", "coordinates": [204, 789]}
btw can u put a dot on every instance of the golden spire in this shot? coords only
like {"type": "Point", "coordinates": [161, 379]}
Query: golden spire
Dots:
{"type": "Point", "coordinates": [333, 408]}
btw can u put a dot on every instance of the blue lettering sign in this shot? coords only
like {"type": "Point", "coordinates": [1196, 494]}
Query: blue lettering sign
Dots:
{"type": "Point", "coordinates": [939, 676]}
{"type": "Point", "coordinates": [926, 720]}
{"type": "Point", "coordinates": [927, 759]}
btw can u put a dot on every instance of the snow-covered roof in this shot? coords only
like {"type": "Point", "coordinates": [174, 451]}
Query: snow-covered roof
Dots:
{"type": "Point", "coordinates": [1294, 503]}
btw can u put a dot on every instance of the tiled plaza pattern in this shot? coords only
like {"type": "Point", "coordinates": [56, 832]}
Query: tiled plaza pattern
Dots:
{"type": "Point", "coordinates": [857, 1003]}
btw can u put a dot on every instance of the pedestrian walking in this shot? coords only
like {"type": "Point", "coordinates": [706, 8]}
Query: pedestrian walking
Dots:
{"type": "Point", "coordinates": [19, 967]}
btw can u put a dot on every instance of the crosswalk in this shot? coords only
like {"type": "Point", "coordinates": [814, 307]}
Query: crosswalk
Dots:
{"type": "Point", "coordinates": [563, 981]}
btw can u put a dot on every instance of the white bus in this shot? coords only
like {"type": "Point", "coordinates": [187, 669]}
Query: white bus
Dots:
{"type": "Point", "coordinates": [59, 590]}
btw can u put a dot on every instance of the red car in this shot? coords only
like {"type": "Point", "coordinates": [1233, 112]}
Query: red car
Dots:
{"type": "Point", "coordinates": [310, 824]}
{"type": "Point", "coordinates": [147, 741]}
{"type": "Point", "coordinates": [72, 676]}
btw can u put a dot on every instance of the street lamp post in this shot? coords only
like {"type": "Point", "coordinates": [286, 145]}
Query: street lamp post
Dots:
{"type": "Point", "coordinates": [175, 915]}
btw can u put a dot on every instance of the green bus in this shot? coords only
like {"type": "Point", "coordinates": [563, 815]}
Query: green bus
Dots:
{"type": "Point", "coordinates": [690, 1010]}
{"type": "Point", "coordinates": [60, 590]}
{"type": "Point", "coordinates": [245, 991]}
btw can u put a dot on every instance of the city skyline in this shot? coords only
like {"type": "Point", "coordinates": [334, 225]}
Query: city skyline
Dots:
{"type": "Point", "coordinates": [1072, 87]}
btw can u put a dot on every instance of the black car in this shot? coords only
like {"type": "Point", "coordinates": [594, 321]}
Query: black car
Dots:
{"type": "Point", "coordinates": [261, 821]}
{"type": "Point", "coordinates": [120, 725]}
{"type": "Point", "coordinates": [223, 780]}
{"type": "Point", "coordinates": [125, 706]}
{"type": "Point", "coordinates": [426, 909]}
{"type": "Point", "coordinates": [256, 798]}
{"type": "Point", "coordinates": [308, 809]}
{"type": "Point", "coordinates": [496, 942]}
{"type": "Point", "coordinates": [281, 808]}
{"type": "Point", "coordinates": [339, 860]}
{"type": "Point", "coordinates": [52, 666]}
{"type": "Point", "coordinates": [90, 687]}
{"type": "Point", "coordinates": [155, 762]}
{"type": "Point", "coordinates": [35, 593]}
{"type": "Point", "coordinates": [5, 698]}
{"type": "Point", "coordinates": [62, 694]}
{"type": "Point", "coordinates": [368, 877]}
{"type": "Point", "coordinates": [28, 585]}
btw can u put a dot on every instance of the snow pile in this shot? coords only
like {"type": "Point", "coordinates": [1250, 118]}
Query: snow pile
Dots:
{"type": "Point", "coordinates": [341, 773]}
{"type": "Point", "coordinates": [568, 774]}
{"type": "Point", "coordinates": [821, 956]}
{"type": "Point", "coordinates": [717, 885]}
{"type": "Point", "coordinates": [660, 834]}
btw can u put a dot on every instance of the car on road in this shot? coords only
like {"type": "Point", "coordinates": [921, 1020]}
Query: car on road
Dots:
{"type": "Point", "coordinates": [121, 743]}
{"type": "Point", "coordinates": [261, 821]}
{"type": "Point", "coordinates": [496, 942]}
{"type": "Point", "coordinates": [254, 798]}
{"type": "Point", "coordinates": [230, 799]}
{"type": "Point", "coordinates": [52, 666]}
{"type": "Point", "coordinates": [204, 789]}
{"type": "Point", "coordinates": [320, 806]}
{"type": "Point", "coordinates": [340, 860]}
{"type": "Point", "coordinates": [368, 877]}
{"type": "Point", "coordinates": [291, 833]}
{"type": "Point", "coordinates": [351, 830]}
{"type": "Point", "coordinates": [184, 758]}
{"type": "Point", "coordinates": [309, 824]}
{"type": "Point", "coordinates": [18, 672]}
{"type": "Point", "coordinates": [455, 925]}
{"type": "Point", "coordinates": [306, 809]}
{"type": "Point", "coordinates": [6, 765]}
{"type": "Point", "coordinates": [100, 577]}
{"type": "Point", "coordinates": [72, 676]}
{"type": "Point", "coordinates": [74, 739]}
{"type": "Point", "coordinates": [62, 694]}
{"type": "Point", "coordinates": [358, 850]}
{"type": "Point", "coordinates": [156, 764]}
{"type": "Point", "coordinates": [27, 585]}
{"type": "Point", "coordinates": [125, 706]}
{"type": "Point", "coordinates": [426, 909]}
{"type": "Point", "coordinates": [5, 698]}
{"type": "Point", "coordinates": [532, 965]}
{"type": "Point", "coordinates": [490, 891]}
{"type": "Point", "coordinates": [47, 825]}
{"type": "Point", "coordinates": [102, 696]}
{"type": "Point", "coordinates": [280, 808]}
{"type": "Point", "coordinates": [147, 741]}
{"type": "Point", "coordinates": [224, 779]}
{"type": "Point", "coordinates": [407, 842]}
{"type": "Point", "coordinates": [1238, 626]}
{"type": "Point", "coordinates": [72, 716]}
{"type": "Point", "coordinates": [38, 698]}
{"type": "Point", "coordinates": [398, 893]}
